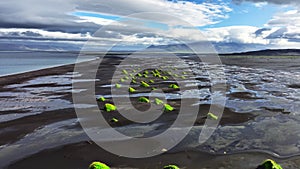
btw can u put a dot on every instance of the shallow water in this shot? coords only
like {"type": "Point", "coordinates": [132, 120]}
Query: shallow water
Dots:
{"type": "Point", "coordinates": [19, 62]}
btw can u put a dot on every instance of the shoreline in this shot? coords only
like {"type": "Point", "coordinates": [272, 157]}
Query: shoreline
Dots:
{"type": "Point", "coordinates": [79, 155]}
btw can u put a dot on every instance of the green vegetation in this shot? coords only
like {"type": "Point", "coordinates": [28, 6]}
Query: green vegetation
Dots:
{"type": "Point", "coordinates": [171, 167]}
{"type": "Point", "coordinates": [151, 81]}
{"type": "Point", "coordinates": [110, 107]}
{"type": "Point", "coordinates": [158, 101]}
{"type": "Point", "coordinates": [145, 76]}
{"type": "Point", "coordinates": [144, 100]}
{"type": "Point", "coordinates": [125, 72]}
{"type": "Point", "coordinates": [153, 88]}
{"type": "Point", "coordinates": [139, 75]}
{"type": "Point", "coordinates": [212, 116]}
{"type": "Point", "coordinates": [164, 77]}
{"type": "Point", "coordinates": [114, 120]}
{"type": "Point", "coordinates": [133, 81]}
{"type": "Point", "coordinates": [102, 99]}
{"type": "Point", "coordinates": [146, 72]}
{"type": "Point", "coordinates": [131, 89]}
{"type": "Point", "coordinates": [269, 164]}
{"type": "Point", "coordinates": [168, 107]}
{"type": "Point", "coordinates": [173, 86]}
{"type": "Point", "coordinates": [118, 85]}
{"type": "Point", "coordinates": [144, 84]}
{"type": "Point", "coordinates": [98, 165]}
{"type": "Point", "coordinates": [122, 80]}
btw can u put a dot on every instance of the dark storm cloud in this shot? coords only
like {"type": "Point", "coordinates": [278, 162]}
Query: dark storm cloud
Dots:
{"type": "Point", "coordinates": [51, 15]}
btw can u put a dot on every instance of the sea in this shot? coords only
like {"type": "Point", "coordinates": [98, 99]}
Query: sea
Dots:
{"type": "Point", "coordinates": [12, 62]}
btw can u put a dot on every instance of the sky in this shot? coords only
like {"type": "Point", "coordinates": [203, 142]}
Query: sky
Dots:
{"type": "Point", "coordinates": [229, 26]}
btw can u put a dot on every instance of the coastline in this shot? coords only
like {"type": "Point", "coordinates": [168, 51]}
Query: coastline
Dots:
{"type": "Point", "coordinates": [79, 155]}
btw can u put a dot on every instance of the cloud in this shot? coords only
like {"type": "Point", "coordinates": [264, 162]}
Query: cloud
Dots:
{"type": "Point", "coordinates": [236, 34]}
{"type": "Point", "coordinates": [260, 4]}
{"type": "Point", "coordinates": [288, 18]}
{"type": "Point", "coordinates": [56, 15]}
{"type": "Point", "coordinates": [288, 24]}
{"type": "Point", "coordinates": [279, 2]}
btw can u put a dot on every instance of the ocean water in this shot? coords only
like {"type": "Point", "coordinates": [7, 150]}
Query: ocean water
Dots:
{"type": "Point", "coordinates": [18, 62]}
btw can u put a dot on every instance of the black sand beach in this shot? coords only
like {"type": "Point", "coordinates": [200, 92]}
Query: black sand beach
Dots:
{"type": "Point", "coordinates": [49, 135]}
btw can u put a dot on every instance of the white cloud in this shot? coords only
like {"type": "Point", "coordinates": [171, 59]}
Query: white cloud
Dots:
{"type": "Point", "coordinates": [260, 4]}
{"type": "Point", "coordinates": [56, 13]}
{"type": "Point", "coordinates": [236, 34]}
{"type": "Point", "coordinates": [285, 19]}
{"type": "Point", "coordinates": [192, 13]}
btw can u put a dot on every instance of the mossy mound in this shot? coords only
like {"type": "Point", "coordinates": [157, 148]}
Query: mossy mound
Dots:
{"type": "Point", "coordinates": [269, 164]}
{"type": "Point", "coordinates": [118, 85]}
{"type": "Point", "coordinates": [102, 99]}
{"type": "Point", "coordinates": [114, 120]}
{"type": "Point", "coordinates": [173, 86]}
{"type": "Point", "coordinates": [144, 84]}
{"type": "Point", "coordinates": [98, 165]}
{"type": "Point", "coordinates": [144, 100]}
{"type": "Point", "coordinates": [168, 107]}
{"type": "Point", "coordinates": [171, 167]}
{"type": "Point", "coordinates": [125, 72]}
{"type": "Point", "coordinates": [212, 116]}
{"type": "Point", "coordinates": [131, 90]}
{"type": "Point", "coordinates": [158, 101]}
{"type": "Point", "coordinates": [110, 107]}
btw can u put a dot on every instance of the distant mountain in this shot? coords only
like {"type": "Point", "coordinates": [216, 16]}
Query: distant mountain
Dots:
{"type": "Point", "coordinates": [206, 47]}
{"type": "Point", "coordinates": [227, 49]}
{"type": "Point", "coordinates": [179, 48]}
{"type": "Point", "coordinates": [37, 46]}
{"type": "Point", "coordinates": [270, 52]}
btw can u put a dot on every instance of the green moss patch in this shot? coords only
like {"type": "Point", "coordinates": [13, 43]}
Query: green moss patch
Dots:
{"type": "Point", "coordinates": [98, 165]}
{"type": "Point", "coordinates": [168, 107]}
{"type": "Point", "coordinates": [118, 85]}
{"type": "Point", "coordinates": [158, 101]}
{"type": "Point", "coordinates": [171, 167]}
{"type": "Point", "coordinates": [114, 120]}
{"type": "Point", "coordinates": [212, 116]}
{"type": "Point", "coordinates": [110, 107]}
{"type": "Point", "coordinates": [144, 84]}
{"type": "Point", "coordinates": [144, 100]}
{"type": "Point", "coordinates": [269, 164]}
{"type": "Point", "coordinates": [173, 86]}
{"type": "Point", "coordinates": [131, 89]}
{"type": "Point", "coordinates": [102, 99]}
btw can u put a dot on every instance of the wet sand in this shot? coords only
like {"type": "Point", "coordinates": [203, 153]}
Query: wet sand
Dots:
{"type": "Point", "coordinates": [80, 154]}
